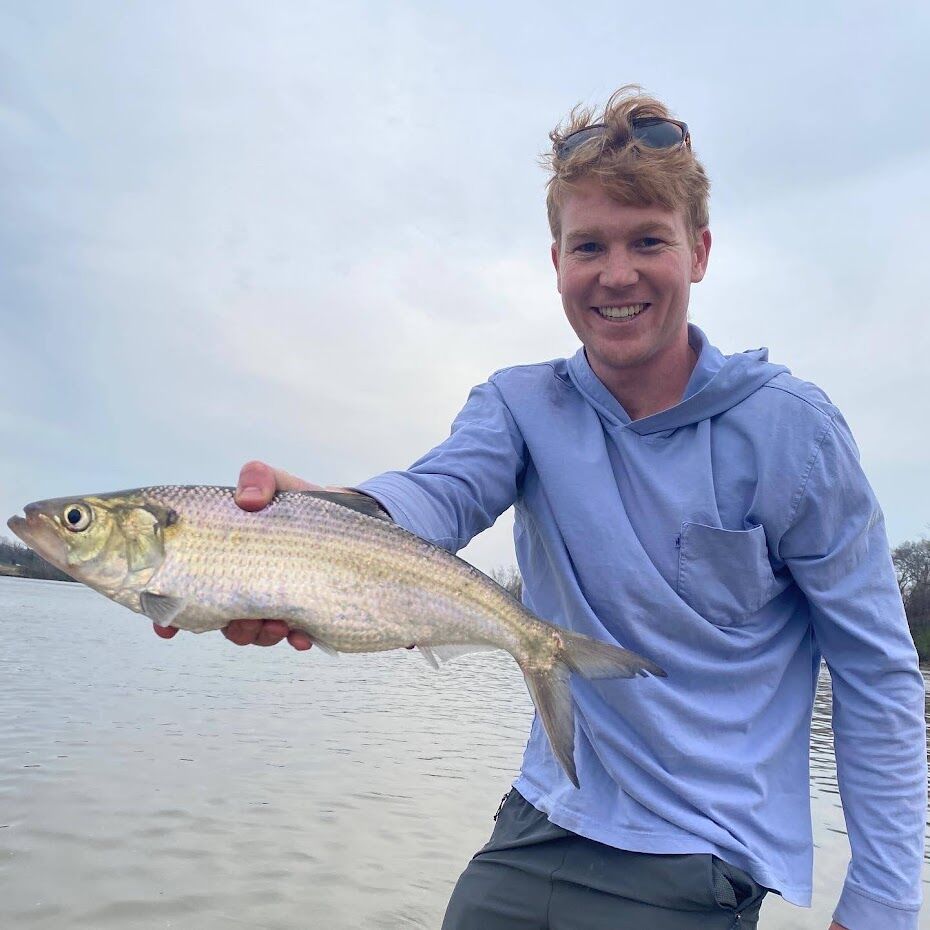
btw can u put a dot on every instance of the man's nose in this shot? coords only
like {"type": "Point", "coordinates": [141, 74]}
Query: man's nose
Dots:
{"type": "Point", "coordinates": [618, 271]}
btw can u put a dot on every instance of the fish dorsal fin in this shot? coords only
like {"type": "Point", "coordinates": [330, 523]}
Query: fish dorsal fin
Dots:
{"type": "Point", "coordinates": [354, 500]}
{"type": "Point", "coordinates": [160, 608]}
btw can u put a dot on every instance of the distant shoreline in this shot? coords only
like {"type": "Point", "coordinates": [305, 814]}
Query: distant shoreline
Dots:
{"type": "Point", "coordinates": [17, 571]}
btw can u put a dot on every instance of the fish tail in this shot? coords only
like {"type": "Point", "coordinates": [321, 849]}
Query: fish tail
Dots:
{"type": "Point", "coordinates": [552, 696]}
{"type": "Point", "coordinates": [593, 659]}
{"type": "Point", "coordinates": [551, 691]}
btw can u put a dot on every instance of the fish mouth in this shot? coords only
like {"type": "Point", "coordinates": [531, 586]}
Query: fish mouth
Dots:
{"type": "Point", "coordinates": [38, 532]}
{"type": "Point", "coordinates": [20, 526]}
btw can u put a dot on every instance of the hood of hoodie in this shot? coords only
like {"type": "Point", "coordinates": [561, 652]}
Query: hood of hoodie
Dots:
{"type": "Point", "coordinates": [717, 383]}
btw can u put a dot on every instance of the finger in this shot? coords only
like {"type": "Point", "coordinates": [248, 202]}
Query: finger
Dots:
{"type": "Point", "coordinates": [256, 486]}
{"type": "Point", "coordinates": [285, 481]}
{"type": "Point", "coordinates": [299, 640]}
{"type": "Point", "coordinates": [165, 632]}
{"type": "Point", "coordinates": [271, 633]}
{"type": "Point", "coordinates": [242, 632]}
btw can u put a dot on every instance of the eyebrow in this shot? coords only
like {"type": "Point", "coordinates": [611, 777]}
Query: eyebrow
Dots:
{"type": "Point", "coordinates": [641, 230]}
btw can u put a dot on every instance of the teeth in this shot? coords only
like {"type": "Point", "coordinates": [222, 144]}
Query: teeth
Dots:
{"type": "Point", "coordinates": [621, 313]}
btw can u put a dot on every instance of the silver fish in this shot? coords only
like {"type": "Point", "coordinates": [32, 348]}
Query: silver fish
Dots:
{"type": "Point", "coordinates": [322, 561]}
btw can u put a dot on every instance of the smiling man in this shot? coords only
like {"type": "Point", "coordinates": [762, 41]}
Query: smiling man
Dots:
{"type": "Point", "coordinates": [706, 511]}
{"type": "Point", "coordinates": [624, 276]}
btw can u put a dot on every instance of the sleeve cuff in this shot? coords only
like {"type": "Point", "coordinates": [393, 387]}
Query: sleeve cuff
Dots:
{"type": "Point", "coordinates": [857, 911]}
{"type": "Point", "coordinates": [380, 489]}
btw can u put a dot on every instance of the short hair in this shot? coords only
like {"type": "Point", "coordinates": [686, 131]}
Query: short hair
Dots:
{"type": "Point", "coordinates": [631, 173]}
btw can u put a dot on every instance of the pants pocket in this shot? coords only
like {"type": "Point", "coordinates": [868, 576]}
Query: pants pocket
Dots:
{"type": "Point", "coordinates": [733, 888]}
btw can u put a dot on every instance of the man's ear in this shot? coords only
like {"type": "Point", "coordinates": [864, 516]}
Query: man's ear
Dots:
{"type": "Point", "coordinates": [554, 251]}
{"type": "Point", "coordinates": [699, 255]}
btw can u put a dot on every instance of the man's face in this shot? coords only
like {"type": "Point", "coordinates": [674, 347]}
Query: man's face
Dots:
{"type": "Point", "coordinates": [625, 274]}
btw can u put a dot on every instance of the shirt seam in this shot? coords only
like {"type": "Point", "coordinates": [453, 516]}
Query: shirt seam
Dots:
{"type": "Point", "coordinates": [800, 397]}
{"type": "Point", "coordinates": [809, 468]}
{"type": "Point", "coordinates": [501, 371]}
{"type": "Point", "coordinates": [907, 908]}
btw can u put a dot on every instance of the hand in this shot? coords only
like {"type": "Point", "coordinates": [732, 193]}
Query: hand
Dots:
{"type": "Point", "coordinates": [836, 926]}
{"type": "Point", "coordinates": [258, 483]}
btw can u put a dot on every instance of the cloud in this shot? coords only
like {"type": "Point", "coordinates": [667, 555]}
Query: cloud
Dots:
{"type": "Point", "coordinates": [302, 232]}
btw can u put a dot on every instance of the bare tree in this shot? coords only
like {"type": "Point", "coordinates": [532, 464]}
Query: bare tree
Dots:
{"type": "Point", "coordinates": [912, 564]}
{"type": "Point", "coordinates": [509, 577]}
{"type": "Point", "coordinates": [28, 564]}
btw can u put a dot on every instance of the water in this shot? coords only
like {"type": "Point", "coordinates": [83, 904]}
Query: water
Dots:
{"type": "Point", "coordinates": [194, 784]}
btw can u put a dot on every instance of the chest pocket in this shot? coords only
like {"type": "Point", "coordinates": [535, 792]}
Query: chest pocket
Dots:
{"type": "Point", "coordinates": [725, 575]}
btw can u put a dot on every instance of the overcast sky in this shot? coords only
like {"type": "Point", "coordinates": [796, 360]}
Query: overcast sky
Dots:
{"type": "Point", "coordinates": [300, 231]}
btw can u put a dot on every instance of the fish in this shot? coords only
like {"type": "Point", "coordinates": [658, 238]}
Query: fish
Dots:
{"type": "Point", "coordinates": [329, 563]}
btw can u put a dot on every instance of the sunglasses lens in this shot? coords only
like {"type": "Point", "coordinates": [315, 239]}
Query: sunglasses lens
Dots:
{"type": "Point", "coordinates": [569, 144]}
{"type": "Point", "coordinates": [657, 133]}
{"type": "Point", "coordinates": [651, 131]}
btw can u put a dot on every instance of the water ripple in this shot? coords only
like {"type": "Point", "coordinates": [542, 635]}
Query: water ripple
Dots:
{"type": "Point", "coordinates": [147, 784]}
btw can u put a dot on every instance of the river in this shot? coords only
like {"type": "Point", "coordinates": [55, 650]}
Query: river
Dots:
{"type": "Point", "coordinates": [193, 784]}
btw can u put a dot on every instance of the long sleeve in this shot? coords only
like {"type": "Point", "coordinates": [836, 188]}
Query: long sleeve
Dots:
{"type": "Point", "coordinates": [837, 551]}
{"type": "Point", "coordinates": [463, 485]}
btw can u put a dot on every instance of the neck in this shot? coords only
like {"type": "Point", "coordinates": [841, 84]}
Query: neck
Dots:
{"type": "Point", "coordinates": [654, 386]}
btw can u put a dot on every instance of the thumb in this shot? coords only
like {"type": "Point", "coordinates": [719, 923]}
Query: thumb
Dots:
{"type": "Point", "coordinates": [285, 481]}
{"type": "Point", "coordinates": [256, 486]}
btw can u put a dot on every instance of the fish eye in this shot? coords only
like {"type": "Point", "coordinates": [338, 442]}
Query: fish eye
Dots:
{"type": "Point", "coordinates": [76, 517]}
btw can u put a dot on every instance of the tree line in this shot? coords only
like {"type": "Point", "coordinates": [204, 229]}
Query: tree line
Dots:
{"type": "Point", "coordinates": [26, 563]}
{"type": "Point", "coordinates": [911, 561]}
{"type": "Point", "coordinates": [912, 566]}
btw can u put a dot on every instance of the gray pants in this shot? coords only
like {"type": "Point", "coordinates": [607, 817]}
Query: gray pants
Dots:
{"type": "Point", "coordinates": [533, 875]}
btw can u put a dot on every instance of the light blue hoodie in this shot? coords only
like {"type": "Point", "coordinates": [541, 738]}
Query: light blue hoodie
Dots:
{"type": "Point", "coordinates": [733, 539]}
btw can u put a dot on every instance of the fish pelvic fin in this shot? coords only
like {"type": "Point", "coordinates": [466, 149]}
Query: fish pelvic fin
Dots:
{"type": "Point", "coordinates": [550, 687]}
{"type": "Point", "coordinates": [161, 608]}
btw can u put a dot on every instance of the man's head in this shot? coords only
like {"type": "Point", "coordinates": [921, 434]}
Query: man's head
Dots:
{"type": "Point", "coordinates": [629, 220]}
{"type": "Point", "coordinates": [630, 171]}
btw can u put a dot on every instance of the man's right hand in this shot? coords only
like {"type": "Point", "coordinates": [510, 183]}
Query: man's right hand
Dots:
{"type": "Point", "coordinates": [258, 483]}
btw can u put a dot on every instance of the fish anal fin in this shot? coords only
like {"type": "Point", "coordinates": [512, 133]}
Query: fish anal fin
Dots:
{"type": "Point", "coordinates": [448, 653]}
{"type": "Point", "coordinates": [429, 655]}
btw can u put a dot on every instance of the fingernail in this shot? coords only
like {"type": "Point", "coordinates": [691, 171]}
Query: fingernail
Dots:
{"type": "Point", "coordinates": [250, 491]}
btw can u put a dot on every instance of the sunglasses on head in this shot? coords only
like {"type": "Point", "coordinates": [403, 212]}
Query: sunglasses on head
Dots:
{"type": "Point", "coordinates": [655, 132]}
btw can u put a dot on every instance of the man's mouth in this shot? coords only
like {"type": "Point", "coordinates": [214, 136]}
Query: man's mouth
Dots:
{"type": "Point", "coordinates": [622, 312]}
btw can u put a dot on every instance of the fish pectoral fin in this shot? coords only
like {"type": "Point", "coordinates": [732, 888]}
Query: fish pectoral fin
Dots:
{"type": "Point", "coordinates": [161, 608]}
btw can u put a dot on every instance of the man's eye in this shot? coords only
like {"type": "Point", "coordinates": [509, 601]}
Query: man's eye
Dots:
{"type": "Point", "coordinates": [650, 242]}
{"type": "Point", "coordinates": [587, 247]}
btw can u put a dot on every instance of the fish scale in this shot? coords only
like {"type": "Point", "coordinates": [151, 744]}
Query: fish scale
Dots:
{"type": "Point", "coordinates": [188, 556]}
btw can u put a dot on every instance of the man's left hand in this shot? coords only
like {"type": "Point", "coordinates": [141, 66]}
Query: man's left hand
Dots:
{"type": "Point", "coordinates": [836, 926]}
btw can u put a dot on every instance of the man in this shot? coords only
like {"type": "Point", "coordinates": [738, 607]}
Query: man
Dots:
{"type": "Point", "coordinates": [705, 511]}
